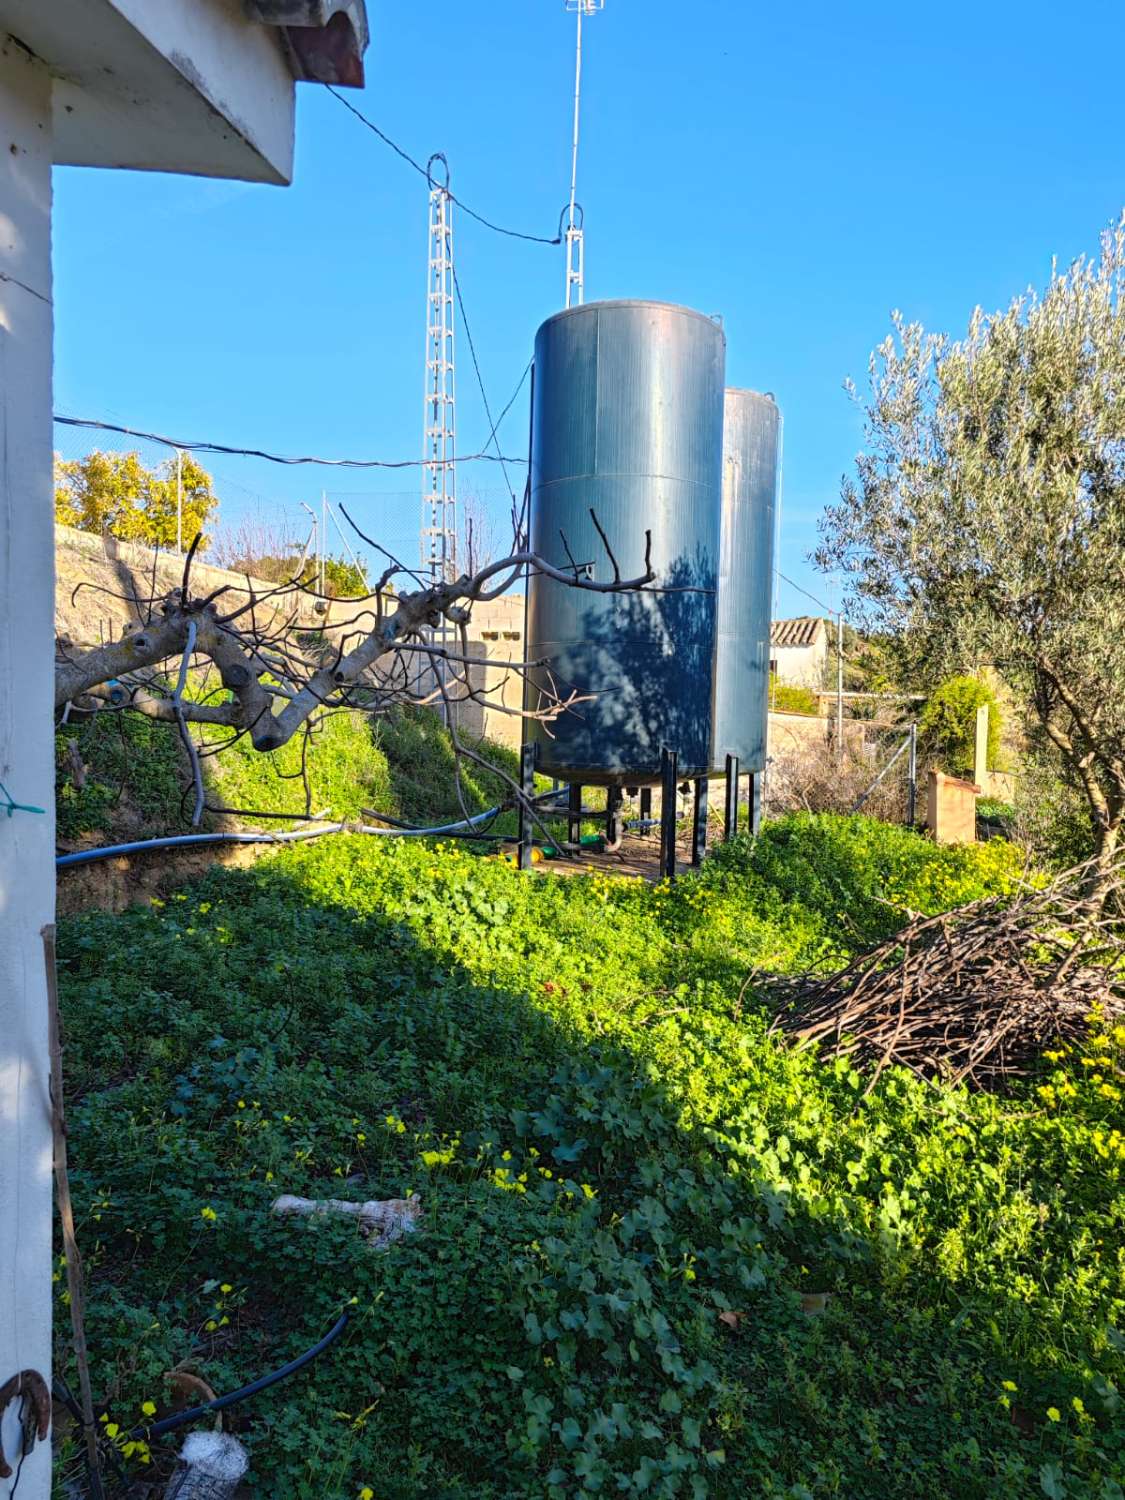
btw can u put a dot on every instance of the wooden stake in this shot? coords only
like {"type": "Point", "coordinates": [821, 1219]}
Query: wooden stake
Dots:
{"type": "Point", "coordinates": [66, 1211]}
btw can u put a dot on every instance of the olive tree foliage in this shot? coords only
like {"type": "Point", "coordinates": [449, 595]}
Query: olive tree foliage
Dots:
{"type": "Point", "coordinates": [987, 519]}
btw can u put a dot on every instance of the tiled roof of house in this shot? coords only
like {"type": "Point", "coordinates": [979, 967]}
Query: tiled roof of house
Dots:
{"type": "Point", "coordinates": [805, 630]}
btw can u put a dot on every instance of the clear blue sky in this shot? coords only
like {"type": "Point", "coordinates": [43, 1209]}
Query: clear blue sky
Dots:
{"type": "Point", "coordinates": [801, 170]}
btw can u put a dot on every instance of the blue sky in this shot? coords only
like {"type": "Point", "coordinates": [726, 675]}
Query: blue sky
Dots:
{"type": "Point", "coordinates": [800, 170]}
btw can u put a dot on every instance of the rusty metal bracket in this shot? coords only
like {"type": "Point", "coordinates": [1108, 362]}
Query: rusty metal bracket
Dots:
{"type": "Point", "coordinates": [29, 1384]}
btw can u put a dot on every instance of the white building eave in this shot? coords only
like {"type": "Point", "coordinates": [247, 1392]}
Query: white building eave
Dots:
{"type": "Point", "coordinates": [158, 85]}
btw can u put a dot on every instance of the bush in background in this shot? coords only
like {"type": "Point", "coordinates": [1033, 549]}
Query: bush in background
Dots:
{"type": "Point", "coordinates": [792, 697]}
{"type": "Point", "coordinates": [948, 725]}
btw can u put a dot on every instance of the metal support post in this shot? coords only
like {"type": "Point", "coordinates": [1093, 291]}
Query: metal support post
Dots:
{"type": "Point", "coordinates": [912, 779]}
{"type": "Point", "coordinates": [613, 828]}
{"type": "Point", "coordinates": [646, 807]}
{"type": "Point", "coordinates": [730, 811]}
{"type": "Point", "coordinates": [699, 823]}
{"type": "Point", "coordinates": [574, 814]}
{"type": "Point", "coordinates": [755, 802]}
{"type": "Point", "coordinates": [668, 813]}
{"type": "Point", "coordinates": [529, 754]}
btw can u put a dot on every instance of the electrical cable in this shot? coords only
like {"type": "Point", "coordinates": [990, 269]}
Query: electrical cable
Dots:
{"type": "Point", "coordinates": [514, 234]}
{"type": "Point", "coordinates": [461, 828]}
{"type": "Point", "coordinates": [480, 381]}
{"type": "Point", "coordinates": [511, 402]}
{"type": "Point", "coordinates": [277, 458]}
{"type": "Point", "coordinates": [800, 590]}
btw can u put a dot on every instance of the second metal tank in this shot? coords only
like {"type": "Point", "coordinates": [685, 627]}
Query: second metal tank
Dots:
{"type": "Point", "coordinates": [751, 459]}
{"type": "Point", "coordinates": [627, 422]}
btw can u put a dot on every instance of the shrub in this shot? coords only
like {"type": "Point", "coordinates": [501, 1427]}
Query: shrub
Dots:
{"type": "Point", "coordinates": [948, 724]}
{"type": "Point", "coordinates": [792, 697]}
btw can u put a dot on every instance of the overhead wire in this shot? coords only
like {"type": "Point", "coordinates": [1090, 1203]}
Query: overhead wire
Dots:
{"type": "Point", "coordinates": [515, 234]}
{"type": "Point", "coordinates": [800, 590]}
{"type": "Point", "coordinates": [480, 383]}
{"type": "Point", "coordinates": [277, 458]}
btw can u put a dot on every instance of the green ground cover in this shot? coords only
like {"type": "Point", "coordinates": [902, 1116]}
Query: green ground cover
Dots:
{"type": "Point", "coordinates": [662, 1255]}
{"type": "Point", "coordinates": [137, 781]}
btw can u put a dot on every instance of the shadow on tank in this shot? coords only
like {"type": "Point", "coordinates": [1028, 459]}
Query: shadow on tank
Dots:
{"type": "Point", "coordinates": [648, 658]}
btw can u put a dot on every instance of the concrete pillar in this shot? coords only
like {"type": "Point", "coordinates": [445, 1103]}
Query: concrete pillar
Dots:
{"type": "Point", "coordinates": [981, 767]}
{"type": "Point", "coordinates": [27, 840]}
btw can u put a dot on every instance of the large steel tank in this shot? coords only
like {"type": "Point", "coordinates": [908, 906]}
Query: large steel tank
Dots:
{"type": "Point", "coordinates": [751, 460]}
{"type": "Point", "coordinates": [627, 422]}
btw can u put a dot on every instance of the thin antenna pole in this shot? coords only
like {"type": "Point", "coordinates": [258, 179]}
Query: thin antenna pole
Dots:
{"type": "Point", "coordinates": [179, 500]}
{"type": "Point", "coordinates": [323, 537]}
{"type": "Point", "coordinates": [575, 246]}
{"type": "Point", "coordinates": [577, 115]}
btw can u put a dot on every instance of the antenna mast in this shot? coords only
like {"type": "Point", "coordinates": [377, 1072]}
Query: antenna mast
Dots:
{"type": "Point", "coordinates": [575, 246]}
{"type": "Point", "coordinates": [439, 432]}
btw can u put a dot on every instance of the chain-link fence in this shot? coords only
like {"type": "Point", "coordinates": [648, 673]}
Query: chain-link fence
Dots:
{"type": "Point", "coordinates": [871, 768]}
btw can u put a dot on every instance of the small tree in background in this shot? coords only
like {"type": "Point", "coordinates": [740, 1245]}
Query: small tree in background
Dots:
{"type": "Point", "coordinates": [949, 724]}
{"type": "Point", "coordinates": [988, 520]}
{"type": "Point", "coordinates": [118, 494]}
{"type": "Point", "coordinates": [270, 551]}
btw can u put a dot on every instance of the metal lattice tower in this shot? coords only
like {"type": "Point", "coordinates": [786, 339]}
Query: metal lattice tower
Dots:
{"type": "Point", "coordinates": [439, 433]}
{"type": "Point", "coordinates": [575, 243]}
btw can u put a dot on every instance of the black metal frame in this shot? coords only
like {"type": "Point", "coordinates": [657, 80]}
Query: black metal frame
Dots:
{"type": "Point", "coordinates": [529, 756]}
{"type": "Point", "coordinates": [574, 814]}
{"type": "Point", "coordinates": [668, 779]}
{"type": "Point", "coordinates": [699, 822]}
{"type": "Point", "coordinates": [730, 809]}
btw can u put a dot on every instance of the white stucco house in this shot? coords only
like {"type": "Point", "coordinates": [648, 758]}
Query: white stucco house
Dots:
{"type": "Point", "coordinates": [799, 650]}
{"type": "Point", "coordinates": [197, 86]}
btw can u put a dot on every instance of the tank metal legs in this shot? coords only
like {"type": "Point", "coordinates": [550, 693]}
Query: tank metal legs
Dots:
{"type": "Point", "coordinates": [668, 760]}
{"type": "Point", "coordinates": [613, 824]}
{"type": "Point", "coordinates": [755, 802]}
{"type": "Point", "coordinates": [528, 757]}
{"type": "Point", "coordinates": [574, 814]}
{"type": "Point", "coordinates": [730, 810]}
{"type": "Point", "coordinates": [699, 822]}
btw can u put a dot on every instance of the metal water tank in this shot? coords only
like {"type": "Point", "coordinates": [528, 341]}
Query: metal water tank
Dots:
{"type": "Point", "coordinates": [627, 421]}
{"type": "Point", "coordinates": [751, 461]}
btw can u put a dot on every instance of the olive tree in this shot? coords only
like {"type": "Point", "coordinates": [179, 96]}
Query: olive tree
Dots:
{"type": "Point", "coordinates": [987, 518]}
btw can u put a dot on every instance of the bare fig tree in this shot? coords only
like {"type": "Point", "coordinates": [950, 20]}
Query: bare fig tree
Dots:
{"type": "Point", "coordinates": [405, 643]}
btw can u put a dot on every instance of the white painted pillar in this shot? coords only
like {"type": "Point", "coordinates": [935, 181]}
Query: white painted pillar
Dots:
{"type": "Point", "coordinates": [27, 873]}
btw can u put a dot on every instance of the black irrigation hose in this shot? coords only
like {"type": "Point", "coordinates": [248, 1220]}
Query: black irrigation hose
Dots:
{"type": "Point", "coordinates": [263, 1382]}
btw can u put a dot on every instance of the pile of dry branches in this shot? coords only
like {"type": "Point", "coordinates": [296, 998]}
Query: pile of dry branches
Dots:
{"type": "Point", "coordinates": [973, 995]}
